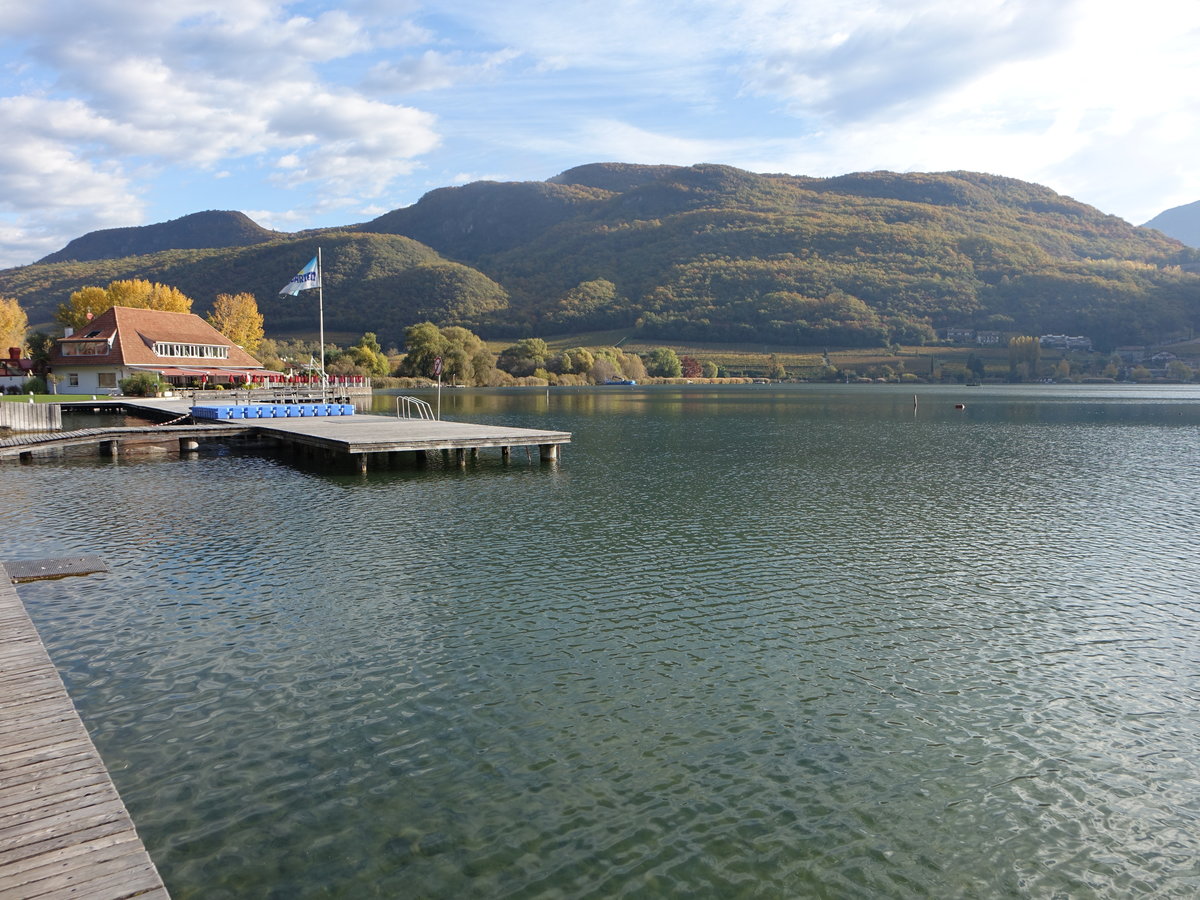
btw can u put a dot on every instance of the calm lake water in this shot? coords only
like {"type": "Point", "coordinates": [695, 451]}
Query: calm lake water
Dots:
{"type": "Point", "coordinates": [739, 642]}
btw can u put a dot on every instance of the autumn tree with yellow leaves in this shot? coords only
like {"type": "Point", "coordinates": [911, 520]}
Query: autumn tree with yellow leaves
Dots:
{"type": "Point", "coordinates": [237, 317]}
{"type": "Point", "coordinates": [138, 293]}
{"type": "Point", "coordinates": [13, 324]}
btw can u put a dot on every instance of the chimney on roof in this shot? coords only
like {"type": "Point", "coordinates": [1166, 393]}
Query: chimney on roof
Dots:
{"type": "Point", "coordinates": [14, 353]}
{"type": "Point", "coordinates": [68, 331]}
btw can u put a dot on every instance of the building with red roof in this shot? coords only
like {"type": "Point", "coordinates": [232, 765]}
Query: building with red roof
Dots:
{"type": "Point", "coordinates": [181, 348]}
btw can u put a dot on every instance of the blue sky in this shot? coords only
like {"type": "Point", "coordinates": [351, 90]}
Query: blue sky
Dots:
{"type": "Point", "coordinates": [124, 112]}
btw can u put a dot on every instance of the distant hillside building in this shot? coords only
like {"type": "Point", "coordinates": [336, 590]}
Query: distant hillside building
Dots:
{"type": "Point", "coordinates": [988, 338]}
{"type": "Point", "coordinates": [181, 348]}
{"type": "Point", "coordinates": [1066, 342]}
{"type": "Point", "coordinates": [960, 335]}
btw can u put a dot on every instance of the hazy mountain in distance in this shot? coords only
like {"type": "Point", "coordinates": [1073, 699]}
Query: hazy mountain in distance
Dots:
{"type": "Point", "coordinates": [1180, 222]}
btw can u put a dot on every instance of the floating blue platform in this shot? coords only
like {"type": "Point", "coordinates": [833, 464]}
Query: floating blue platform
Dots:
{"type": "Point", "coordinates": [271, 410]}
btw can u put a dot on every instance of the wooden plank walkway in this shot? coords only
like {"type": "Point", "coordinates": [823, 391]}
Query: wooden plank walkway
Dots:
{"type": "Point", "coordinates": [64, 832]}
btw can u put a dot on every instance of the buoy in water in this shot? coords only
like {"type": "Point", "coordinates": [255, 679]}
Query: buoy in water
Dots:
{"type": "Point", "coordinates": [960, 406]}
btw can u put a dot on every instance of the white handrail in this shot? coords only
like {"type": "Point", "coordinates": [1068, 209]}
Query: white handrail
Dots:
{"type": "Point", "coordinates": [414, 408]}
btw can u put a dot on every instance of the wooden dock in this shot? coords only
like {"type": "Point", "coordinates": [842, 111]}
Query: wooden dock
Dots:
{"type": "Point", "coordinates": [361, 442]}
{"type": "Point", "coordinates": [64, 832]}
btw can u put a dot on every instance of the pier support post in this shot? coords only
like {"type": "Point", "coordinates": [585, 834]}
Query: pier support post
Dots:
{"type": "Point", "coordinates": [360, 461]}
{"type": "Point", "coordinates": [506, 453]}
{"type": "Point", "coordinates": [420, 458]}
{"type": "Point", "coordinates": [460, 458]}
{"type": "Point", "coordinates": [549, 452]}
{"type": "Point", "coordinates": [108, 448]}
{"type": "Point", "coordinates": [25, 456]}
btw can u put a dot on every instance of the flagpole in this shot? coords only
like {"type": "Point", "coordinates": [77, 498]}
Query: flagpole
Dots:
{"type": "Point", "coordinates": [321, 312]}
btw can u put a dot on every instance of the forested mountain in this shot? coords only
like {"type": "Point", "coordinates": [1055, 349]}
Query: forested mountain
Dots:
{"type": "Point", "coordinates": [1179, 222]}
{"type": "Point", "coordinates": [214, 228]}
{"type": "Point", "coordinates": [374, 282]}
{"type": "Point", "coordinates": [704, 252]}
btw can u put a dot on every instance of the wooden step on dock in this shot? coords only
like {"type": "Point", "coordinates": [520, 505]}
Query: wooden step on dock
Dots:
{"type": "Point", "coordinates": [64, 832]}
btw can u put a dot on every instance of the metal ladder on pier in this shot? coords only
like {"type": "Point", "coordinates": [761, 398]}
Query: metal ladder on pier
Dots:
{"type": "Point", "coordinates": [413, 408]}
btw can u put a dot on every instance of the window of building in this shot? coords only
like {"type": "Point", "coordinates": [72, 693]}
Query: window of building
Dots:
{"type": "Point", "coordinates": [85, 348]}
{"type": "Point", "coordinates": [73, 379]}
{"type": "Point", "coordinates": [191, 351]}
{"type": "Point", "coordinates": [106, 379]}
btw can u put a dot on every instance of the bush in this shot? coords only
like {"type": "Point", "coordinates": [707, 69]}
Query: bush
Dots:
{"type": "Point", "coordinates": [143, 384]}
{"type": "Point", "coordinates": [34, 385]}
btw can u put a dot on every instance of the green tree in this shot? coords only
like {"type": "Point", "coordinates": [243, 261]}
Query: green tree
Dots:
{"type": "Point", "coordinates": [775, 369]}
{"type": "Point", "coordinates": [1024, 354]}
{"type": "Point", "coordinates": [41, 345]}
{"type": "Point", "coordinates": [577, 360]}
{"type": "Point", "coordinates": [422, 344]}
{"type": "Point", "coordinates": [524, 357]}
{"type": "Point", "coordinates": [464, 355]}
{"type": "Point", "coordinates": [1178, 370]}
{"type": "Point", "coordinates": [710, 369]}
{"type": "Point", "coordinates": [664, 362]}
{"type": "Point", "coordinates": [367, 356]}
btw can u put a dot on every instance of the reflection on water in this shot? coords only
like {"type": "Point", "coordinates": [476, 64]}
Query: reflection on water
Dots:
{"type": "Point", "coordinates": [746, 641]}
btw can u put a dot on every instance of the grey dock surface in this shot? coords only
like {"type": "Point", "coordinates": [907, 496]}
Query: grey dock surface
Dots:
{"type": "Point", "coordinates": [64, 831]}
{"type": "Point", "coordinates": [358, 437]}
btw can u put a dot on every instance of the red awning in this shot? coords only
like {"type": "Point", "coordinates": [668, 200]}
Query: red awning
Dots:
{"type": "Point", "coordinates": [197, 372]}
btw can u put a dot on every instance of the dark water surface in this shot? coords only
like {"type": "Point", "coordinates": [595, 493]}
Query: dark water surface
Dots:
{"type": "Point", "coordinates": [739, 642]}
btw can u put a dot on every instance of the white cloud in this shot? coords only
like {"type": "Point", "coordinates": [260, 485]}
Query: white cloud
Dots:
{"type": "Point", "coordinates": [434, 70]}
{"type": "Point", "coordinates": [1092, 97]}
{"type": "Point", "coordinates": [616, 141]}
{"type": "Point", "coordinates": [197, 84]}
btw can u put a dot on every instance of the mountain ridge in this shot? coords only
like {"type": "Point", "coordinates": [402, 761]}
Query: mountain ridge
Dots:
{"type": "Point", "coordinates": [195, 231]}
{"type": "Point", "coordinates": [703, 252]}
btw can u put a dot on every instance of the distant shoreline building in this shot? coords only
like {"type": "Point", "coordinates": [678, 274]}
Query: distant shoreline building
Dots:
{"type": "Point", "coordinates": [1066, 342]}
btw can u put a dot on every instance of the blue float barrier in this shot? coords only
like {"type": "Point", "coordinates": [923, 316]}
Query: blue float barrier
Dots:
{"type": "Point", "coordinates": [273, 410]}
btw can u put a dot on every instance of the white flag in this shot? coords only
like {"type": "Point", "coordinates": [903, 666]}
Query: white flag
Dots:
{"type": "Point", "coordinates": [306, 278]}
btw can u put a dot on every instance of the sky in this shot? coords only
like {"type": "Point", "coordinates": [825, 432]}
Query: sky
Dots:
{"type": "Point", "coordinates": [312, 114]}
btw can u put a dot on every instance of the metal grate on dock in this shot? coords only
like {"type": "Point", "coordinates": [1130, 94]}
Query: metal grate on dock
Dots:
{"type": "Point", "coordinates": [23, 570]}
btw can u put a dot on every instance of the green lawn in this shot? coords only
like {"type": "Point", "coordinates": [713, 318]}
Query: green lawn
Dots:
{"type": "Point", "coordinates": [38, 398]}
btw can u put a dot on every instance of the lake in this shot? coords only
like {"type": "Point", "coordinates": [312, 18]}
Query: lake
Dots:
{"type": "Point", "coordinates": [740, 641]}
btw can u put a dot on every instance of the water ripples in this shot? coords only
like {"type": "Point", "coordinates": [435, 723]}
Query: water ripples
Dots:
{"type": "Point", "coordinates": [753, 653]}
